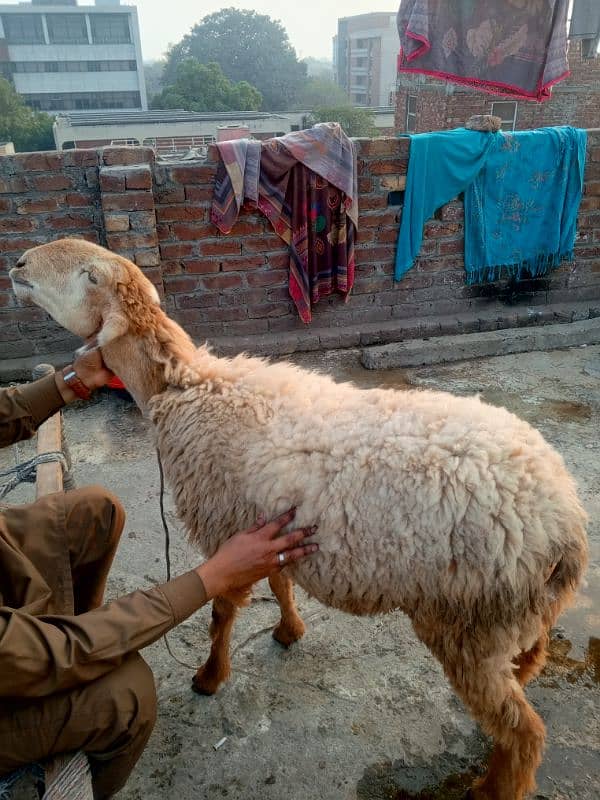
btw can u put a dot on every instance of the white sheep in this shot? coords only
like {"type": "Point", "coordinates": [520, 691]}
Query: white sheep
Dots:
{"type": "Point", "coordinates": [455, 512]}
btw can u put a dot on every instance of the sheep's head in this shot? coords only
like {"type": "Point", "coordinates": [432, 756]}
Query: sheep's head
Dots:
{"type": "Point", "coordinates": [85, 288]}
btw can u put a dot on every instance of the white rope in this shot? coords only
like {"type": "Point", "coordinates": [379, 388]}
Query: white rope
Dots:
{"type": "Point", "coordinates": [26, 471]}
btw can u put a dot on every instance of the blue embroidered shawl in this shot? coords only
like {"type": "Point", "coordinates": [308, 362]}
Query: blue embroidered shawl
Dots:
{"type": "Point", "coordinates": [522, 193]}
{"type": "Point", "coordinates": [521, 209]}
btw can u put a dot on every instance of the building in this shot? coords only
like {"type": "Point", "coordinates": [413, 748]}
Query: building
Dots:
{"type": "Point", "coordinates": [167, 131]}
{"type": "Point", "coordinates": [63, 57]}
{"type": "Point", "coordinates": [425, 104]}
{"type": "Point", "coordinates": [365, 53]}
{"type": "Point", "coordinates": [179, 131]}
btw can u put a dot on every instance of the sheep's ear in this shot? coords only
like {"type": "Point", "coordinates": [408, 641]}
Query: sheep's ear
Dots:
{"type": "Point", "coordinates": [103, 272]}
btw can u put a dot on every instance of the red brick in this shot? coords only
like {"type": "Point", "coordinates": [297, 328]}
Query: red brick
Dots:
{"type": "Point", "coordinates": [230, 281]}
{"type": "Point", "coordinates": [111, 181]}
{"type": "Point", "coordinates": [370, 202]}
{"type": "Point", "coordinates": [216, 314]}
{"type": "Point", "coordinates": [15, 184]}
{"type": "Point", "coordinates": [592, 188]}
{"type": "Point", "coordinates": [175, 250]}
{"type": "Point", "coordinates": [37, 206]}
{"type": "Point", "coordinates": [198, 193]}
{"type": "Point", "coordinates": [262, 244]}
{"type": "Point", "coordinates": [242, 263]}
{"type": "Point", "coordinates": [50, 183]}
{"type": "Point", "coordinates": [220, 247]}
{"type": "Point", "coordinates": [46, 162]}
{"type": "Point", "coordinates": [18, 245]}
{"type": "Point", "coordinates": [148, 258]}
{"type": "Point", "coordinates": [437, 229]}
{"type": "Point", "coordinates": [192, 231]}
{"type": "Point", "coordinates": [453, 247]}
{"type": "Point", "coordinates": [171, 267]}
{"type": "Point", "coordinates": [163, 232]}
{"type": "Point", "coordinates": [130, 201]}
{"type": "Point", "coordinates": [17, 225]}
{"type": "Point", "coordinates": [269, 310]}
{"type": "Point", "coordinates": [130, 241]}
{"type": "Point", "coordinates": [116, 222]}
{"type": "Point", "coordinates": [197, 299]}
{"type": "Point", "coordinates": [126, 156]}
{"type": "Point", "coordinates": [377, 219]}
{"type": "Point", "coordinates": [176, 213]}
{"type": "Point", "coordinates": [279, 260]}
{"type": "Point", "coordinates": [138, 179]}
{"type": "Point", "coordinates": [181, 283]}
{"type": "Point", "coordinates": [385, 235]}
{"type": "Point", "coordinates": [196, 174]}
{"type": "Point", "coordinates": [143, 220]}
{"type": "Point", "coordinates": [5, 205]}
{"type": "Point", "coordinates": [248, 227]}
{"type": "Point", "coordinates": [78, 199]}
{"type": "Point", "coordinates": [380, 147]}
{"type": "Point", "coordinates": [80, 158]}
{"type": "Point", "coordinates": [165, 195]}
{"type": "Point", "coordinates": [394, 166]}
{"type": "Point", "coordinates": [365, 185]}
{"type": "Point", "coordinates": [202, 266]}
{"type": "Point", "coordinates": [267, 277]}
{"type": "Point", "coordinates": [69, 222]}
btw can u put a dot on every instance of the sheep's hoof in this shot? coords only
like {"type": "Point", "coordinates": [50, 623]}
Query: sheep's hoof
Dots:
{"type": "Point", "coordinates": [205, 682]}
{"type": "Point", "coordinates": [287, 634]}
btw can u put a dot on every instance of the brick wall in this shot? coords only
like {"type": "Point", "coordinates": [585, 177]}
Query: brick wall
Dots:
{"type": "Point", "coordinates": [232, 289]}
{"type": "Point", "coordinates": [442, 106]}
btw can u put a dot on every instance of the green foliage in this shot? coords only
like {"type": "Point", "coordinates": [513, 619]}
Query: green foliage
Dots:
{"type": "Point", "coordinates": [248, 47]}
{"type": "Point", "coordinates": [318, 92]}
{"type": "Point", "coordinates": [153, 75]}
{"type": "Point", "coordinates": [319, 68]}
{"type": "Point", "coordinates": [354, 121]}
{"type": "Point", "coordinates": [28, 130]}
{"type": "Point", "coordinates": [204, 87]}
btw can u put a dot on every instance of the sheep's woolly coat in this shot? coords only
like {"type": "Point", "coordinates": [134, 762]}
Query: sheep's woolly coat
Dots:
{"type": "Point", "coordinates": [418, 494]}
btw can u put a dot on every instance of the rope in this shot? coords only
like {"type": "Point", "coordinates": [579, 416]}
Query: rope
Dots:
{"type": "Point", "coordinates": [26, 471]}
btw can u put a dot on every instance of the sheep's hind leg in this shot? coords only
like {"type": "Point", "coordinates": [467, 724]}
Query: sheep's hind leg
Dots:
{"type": "Point", "coordinates": [497, 702]}
{"type": "Point", "coordinates": [217, 668]}
{"type": "Point", "coordinates": [290, 627]}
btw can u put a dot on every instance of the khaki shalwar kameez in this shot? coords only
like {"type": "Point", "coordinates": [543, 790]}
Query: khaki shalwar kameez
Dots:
{"type": "Point", "coordinates": [74, 682]}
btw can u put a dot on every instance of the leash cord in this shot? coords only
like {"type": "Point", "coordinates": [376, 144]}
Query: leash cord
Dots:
{"type": "Point", "coordinates": [168, 554]}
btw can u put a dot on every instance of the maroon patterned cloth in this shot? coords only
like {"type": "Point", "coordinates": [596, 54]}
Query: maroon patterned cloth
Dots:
{"type": "Point", "coordinates": [515, 48]}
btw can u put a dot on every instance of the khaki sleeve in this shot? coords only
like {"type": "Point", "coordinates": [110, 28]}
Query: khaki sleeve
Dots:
{"type": "Point", "coordinates": [47, 654]}
{"type": "Point", "coordinates": [24, 408]}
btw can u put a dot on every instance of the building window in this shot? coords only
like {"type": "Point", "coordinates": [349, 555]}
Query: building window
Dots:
{"type": "Point", "coordinates": [110, 28]}
{"type": "Point", "coordinates": [411, 113]}
{"type": "Point", "coordinates": [507, 111]}
{"type": "Point", "coordinates": [82, 101]}
{"type": "Point", "coordinates": [67, 28]}
{"type": "Point", "coordinates": [74, 66]}
{"type": "Point", "coordinates": [23, 28]}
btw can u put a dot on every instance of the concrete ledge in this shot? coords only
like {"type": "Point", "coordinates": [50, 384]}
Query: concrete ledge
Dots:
{"type": "Point", "coordinates": [444, 349]}
{"type": "Point", "coordinates": [20, 369]}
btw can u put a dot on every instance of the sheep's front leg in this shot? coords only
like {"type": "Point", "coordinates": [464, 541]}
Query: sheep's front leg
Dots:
{"type": "Point", "coordinates": [290, 628]}
{"type": "Point", "coordinates": [218, 665]}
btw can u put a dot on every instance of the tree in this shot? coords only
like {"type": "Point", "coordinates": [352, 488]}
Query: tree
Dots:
{"type": "Point", "coordinates": [248, 47]}
{"type": "Point", "coordinates": [153, 75]}
{"type": "Point", "coordinates": [26, 129]}
{"type": "Point", "coordinates": [318, 92]}
{"type": "Point", "coordinates": [203, 87]}
{"type": "Point", "coordinates": [354, 121]}
{"type": "Point", "coordinates": [319, 68]}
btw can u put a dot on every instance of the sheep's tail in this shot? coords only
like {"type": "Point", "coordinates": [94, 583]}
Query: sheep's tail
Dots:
{"type": "Point", "coordinates": [567, 575]}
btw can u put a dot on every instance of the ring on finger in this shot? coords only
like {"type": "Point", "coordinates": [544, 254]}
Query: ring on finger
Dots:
{"type": "Point", "coordinates": [281, 558]}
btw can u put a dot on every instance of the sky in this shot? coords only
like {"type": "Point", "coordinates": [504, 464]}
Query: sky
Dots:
{"type": "Point", "coordinates": [311, 24]}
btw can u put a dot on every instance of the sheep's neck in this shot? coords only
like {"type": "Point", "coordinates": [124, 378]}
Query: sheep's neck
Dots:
{"type": "Point", "coordinates": [144, 377]}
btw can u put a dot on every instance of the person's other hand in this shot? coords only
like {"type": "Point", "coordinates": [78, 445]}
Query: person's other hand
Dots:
{"type": "Point", "coordinates": [254, 554]}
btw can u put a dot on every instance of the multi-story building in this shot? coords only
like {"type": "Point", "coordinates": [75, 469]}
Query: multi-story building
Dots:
{"type": "Point", "coordinates": [63, 57]}
{"type": "Point", "coordinates": [365, 53]}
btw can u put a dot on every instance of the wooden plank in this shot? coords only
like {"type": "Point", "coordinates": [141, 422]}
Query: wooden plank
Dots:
{"type": "Point", "coordinates": [49, 440]}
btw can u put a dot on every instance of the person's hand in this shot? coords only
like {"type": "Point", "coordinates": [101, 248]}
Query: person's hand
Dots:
{"type": "Point", "coordinates": [254, 554]}
{"type": "Point", "coordinates": [90, 369]}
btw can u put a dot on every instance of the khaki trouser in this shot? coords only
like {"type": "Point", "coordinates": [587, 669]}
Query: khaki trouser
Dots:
{"type": "Point", "coordinates": [71, 540]}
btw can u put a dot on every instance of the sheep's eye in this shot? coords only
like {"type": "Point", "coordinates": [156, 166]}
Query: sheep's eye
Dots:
{"type": "Point", "coordinates": [91, 278]}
